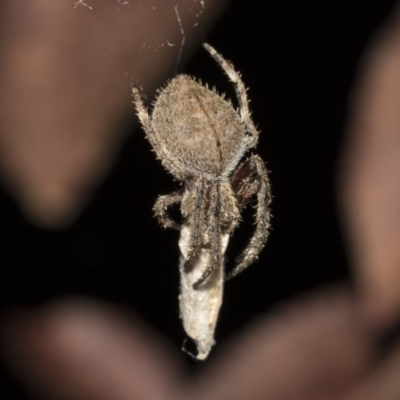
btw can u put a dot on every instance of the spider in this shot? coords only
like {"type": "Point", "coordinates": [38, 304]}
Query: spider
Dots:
{"type": "Point", "coordinates": [201, 139]}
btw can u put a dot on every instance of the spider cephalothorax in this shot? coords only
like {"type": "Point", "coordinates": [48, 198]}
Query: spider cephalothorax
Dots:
{"type": "Point", "coordinates": [201, 139]}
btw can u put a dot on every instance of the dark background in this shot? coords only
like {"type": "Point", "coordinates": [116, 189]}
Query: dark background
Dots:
{"type": "Point", "coordinates": [299, 59]}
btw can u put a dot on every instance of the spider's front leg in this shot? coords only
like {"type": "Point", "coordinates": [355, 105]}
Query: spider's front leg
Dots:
{"type": "Point", "coordinates": [214, 234]}
{"type": "Point", "coordinates": [161, 206]}
{"type": "Point", "coordinates": [193, 208]}
{"type": "Point", "coordinates": [250, 253]}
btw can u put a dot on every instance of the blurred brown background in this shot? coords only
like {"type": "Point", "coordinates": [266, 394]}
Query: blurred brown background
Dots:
{"type": "Point", "coordinates": [299, 60]}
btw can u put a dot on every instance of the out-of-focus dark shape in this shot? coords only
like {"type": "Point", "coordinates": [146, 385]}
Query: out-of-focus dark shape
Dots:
{"type": "Point", "coordinates": [65, 77]}
{"type": "Point", "coordinates": [371, 177]}
{"type": "Point", "coordinates": [77, 349]}
{"type": "Point", "coordinates": [316, 348]}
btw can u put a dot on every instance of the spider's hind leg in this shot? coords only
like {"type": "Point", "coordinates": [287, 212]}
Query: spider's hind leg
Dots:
{"type": "Point", "coordinates": [161, 206]}
{"type": "Point", "coordinates": [143, 114]}
{"type": "Point", "coordinates": [241, 94]}
{"type": "Point", "coordinates": [263, 216]}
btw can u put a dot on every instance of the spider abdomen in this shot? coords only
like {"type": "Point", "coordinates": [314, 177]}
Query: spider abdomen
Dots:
{"type": "Point", "coordinates": [199, 129]}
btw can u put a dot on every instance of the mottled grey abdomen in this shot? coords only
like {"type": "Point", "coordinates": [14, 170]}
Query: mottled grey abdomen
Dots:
{"type": "Point", "coordinates": [197, 127]}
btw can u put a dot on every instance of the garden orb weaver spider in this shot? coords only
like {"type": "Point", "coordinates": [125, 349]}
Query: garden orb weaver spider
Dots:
{"type": "Point", "coordinates": [201, 140]}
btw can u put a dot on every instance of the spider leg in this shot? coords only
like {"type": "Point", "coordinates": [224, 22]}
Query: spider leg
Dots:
{"type": "Point", "coordinates": [147, 125]}
{"type": "Point", "coordinates": [144, 116]}
{"type": "Point", "coordinates": [196, 220]}
{"type": "Point", "coordinates": [245, 182]}
{"type": "Point", "coordinates": [241, 94]}
{"type": "Point", "coordinates": [259, 238]}
{"type": "Point", "coordinates": [214, 236]}
{"type": "Point", "coordinates": [160, 209]}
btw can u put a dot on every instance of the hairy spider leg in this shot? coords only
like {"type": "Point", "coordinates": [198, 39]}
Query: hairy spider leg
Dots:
{"type": "Point", "coordinates": [241, 94]}
{"type": "Point", "coordinates": [245, 182]}
{"type": "Point", "coordinates": [214, 234]}
{"type": "Point", "coordinates": [196, 220]}
{"type": "Point", "coordinates": [263, 216]}
{"type": "Point", "coordinates": [147, 125]}
{"type": "Point", "coordinates": [160, 209]}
